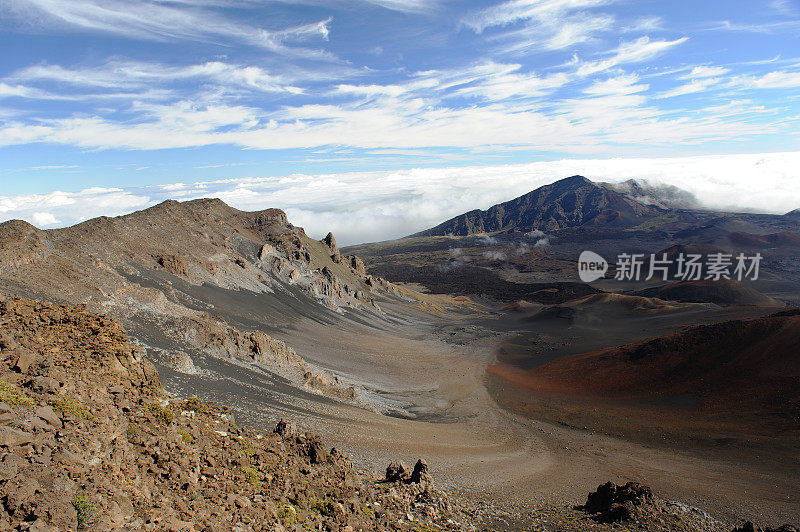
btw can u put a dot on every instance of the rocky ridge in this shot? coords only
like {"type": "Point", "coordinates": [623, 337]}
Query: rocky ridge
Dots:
{"type": "Point", "coordinates": [133, 267]}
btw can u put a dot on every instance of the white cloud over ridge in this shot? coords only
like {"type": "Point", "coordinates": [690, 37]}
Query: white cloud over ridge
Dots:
{"type": "Point", "coordinates": [371, 206]}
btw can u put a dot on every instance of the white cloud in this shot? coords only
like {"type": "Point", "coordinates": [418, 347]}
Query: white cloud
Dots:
{"type": "Point", "coordinates": [42, 219]}
{"type": "Point", "coordinates": [370, 206]}
{"type": "Point", "coordinates": [704, 71]}
{"type": "Point", "coordinates": [518, 10]}
{"type": "Point", "coordinates": [784, 7]}
{"type": "Point", "coordinates": [636, 51]}
{"type": "Point", "coordinates": [504, 106]}
{"type": "Point", "coordinates": [138, 75]}
{"type": "Point", "coordinates": [772, 80]}
{"type": "Point", "coordinates": [645, 24]}
{"type": "Point", "coordinates": [412, 6]}
{"type": "Point", "coordinates": [547, 24]}
{"type": "Point", "coordinates": [585, 124]}
{"type": "Point", "coordinates": [694, 86]}
{"type": "Point", "coordinates": [159, 21]}
{"type": "Point", "coordinates": [626, 84]}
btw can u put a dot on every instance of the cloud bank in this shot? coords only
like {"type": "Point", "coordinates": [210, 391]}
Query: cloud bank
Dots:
{"type": "Point", "coordinates": [371, 206]}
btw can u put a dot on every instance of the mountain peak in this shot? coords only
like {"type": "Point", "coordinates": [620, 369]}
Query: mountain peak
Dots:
{"type": "Point", "coordinates": [574, 179]}
{"type": "Point", "coordinates": [570, 202]}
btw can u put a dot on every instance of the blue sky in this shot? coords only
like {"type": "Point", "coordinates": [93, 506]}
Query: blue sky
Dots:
{"type": "Point", "coordinates": [120, 94]}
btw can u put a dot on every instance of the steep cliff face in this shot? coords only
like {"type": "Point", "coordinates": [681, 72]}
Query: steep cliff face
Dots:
{"type": "Point", "coordinates": [571, 202]}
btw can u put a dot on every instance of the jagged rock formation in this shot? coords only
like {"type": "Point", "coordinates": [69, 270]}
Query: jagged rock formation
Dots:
{"type": "Point", "coordinates": [88, 439]}
{"type": "Point", "coordinates": [330, 241]}
{"type": "Point", "coordinates": [571, 202]}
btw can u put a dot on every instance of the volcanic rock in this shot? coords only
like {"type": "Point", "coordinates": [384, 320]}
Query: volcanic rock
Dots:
{"type": "Point", "coordinates": [748, 526]}
{"type": "Point", "coordinates": [420, 473]}
{"type": "Point", "coordinates": [397, 472]}
{"type": "Point", "coordinates": [611, 503]}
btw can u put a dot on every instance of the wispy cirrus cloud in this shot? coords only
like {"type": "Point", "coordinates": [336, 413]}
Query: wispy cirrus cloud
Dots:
{"type": "Point", "coordinates": [705, 71]}
{"type": "Point", "coordinates": [120, 74]}
{"type": "Point", "coordinates": [163, 21]}
{"type": "Point", "coordinates": [542, 24]}
{"type": "Point", "coordinates": [625, 84]}
{"type": "Point", "coordinates": [694, 86]}
{"type": "Point", "coordinates": [642, 49]}
{"type": "Point", "coordinates": [513, 11]}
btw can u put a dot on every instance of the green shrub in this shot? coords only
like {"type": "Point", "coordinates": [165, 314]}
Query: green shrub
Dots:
{"type": "Point", "coordinates": [131, 432]}
{"type": "Point", "coordinates": [252, 476]}
{"type": "Point", "coordinates": [323, 507]}
{"type": "Point", "coordinates": [162, 414]}
{"type": "Point", "coordinates": [84, 509]}
{"type": "Point", "coordinates": [193, 403]}
{"type": "Point", "coordinates": [287, 515]}
{"type": "Point", "coordinates": [12, 396]}
{"type": "Point", "coordinates": [186, 435]}
{"type": "Point", "coordinates": [69, 406]}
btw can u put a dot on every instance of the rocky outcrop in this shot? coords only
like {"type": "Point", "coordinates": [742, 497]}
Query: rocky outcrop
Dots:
{"type": "Point", "coordinates": [213, 336]}
{"type": "Point", "coordinates": [399, 472]}
{"type": "Point", "coordinates": [330, 241]}
{"type": "Point", "coordinates": [357, 264]}
{"type": "Point", "coordinates": [200, 241]}
{"type": "Point", "coordinates": [89, 440]}
{"type": "Point", "coordinates": [612, 503]}
{"type": "Point", "coordinates": [748, 526]}
{"type": "Point", "coordinates": [172, 264]}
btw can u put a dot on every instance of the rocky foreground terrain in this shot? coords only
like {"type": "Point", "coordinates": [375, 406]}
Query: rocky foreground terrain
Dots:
{"type": "Point", "coordinates": [90, 440]}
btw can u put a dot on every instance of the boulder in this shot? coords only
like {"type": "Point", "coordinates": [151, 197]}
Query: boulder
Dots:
{"type": "Point", "coordinates": [316, 452]}
{"type": "Point", "coordinates": [14, 438]}
{"type": "Point", "coordinates": [7, 342]}
{"type": "Point", "coordinates": [397, 472]}
{"type": "Point", "coordinates": [25, 359]}
{"type": "Point", "coordinates": [285, 429]}
{"type": "Point", "coordinates": [612, 503]}
{"type": "Point", "coordinates": [420, 473]}
{"type": "Point", "coordinates": [47, 414]}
